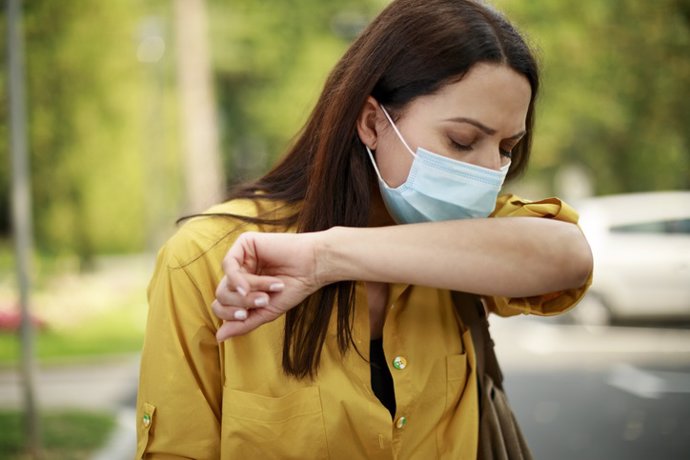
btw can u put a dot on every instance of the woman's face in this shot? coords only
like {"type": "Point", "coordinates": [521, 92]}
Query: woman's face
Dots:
{"type": "Point", "coordinates": [478, 119]}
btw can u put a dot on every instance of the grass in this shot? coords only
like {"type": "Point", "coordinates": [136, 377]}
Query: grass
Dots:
{"type": "Point", "coordinates": [67, 435]}
{"type": "Point", "coordinates": [87, 315]}
{"type": "Point", "coordinates": [95, 313]}
{"type": "Point", "coordinates": [114, 331]}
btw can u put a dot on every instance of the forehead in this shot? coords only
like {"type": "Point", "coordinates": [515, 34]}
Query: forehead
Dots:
{"type": "Point", "coordinates": [492, 93]}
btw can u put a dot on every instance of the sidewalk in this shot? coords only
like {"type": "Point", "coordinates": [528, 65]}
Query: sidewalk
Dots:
{"type": "Point", "coordinates": [109, 383]}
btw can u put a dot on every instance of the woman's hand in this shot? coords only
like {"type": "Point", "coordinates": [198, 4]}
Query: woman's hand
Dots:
{"type": "Point", "coordinates": [266, 274]}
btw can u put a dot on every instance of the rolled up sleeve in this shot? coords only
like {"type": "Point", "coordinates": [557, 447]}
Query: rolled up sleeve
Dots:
{"type": "Point", "coordinates": [180, 386]}
{"type": "Point", "coordinates": [546, 304]}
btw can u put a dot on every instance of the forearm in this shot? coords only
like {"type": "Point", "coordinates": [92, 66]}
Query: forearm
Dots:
{"type": "Point", "coordinates": [512, 257]}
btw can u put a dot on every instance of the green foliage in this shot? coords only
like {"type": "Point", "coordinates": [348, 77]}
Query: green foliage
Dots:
{"type": "Point", "coordinates": [5, 210]}
{"type": "Point", "coordinates": [271, 59]}
{"type": "Point", "coordinates": [79, 85]}
{"type": "Point", "coordinates": [88, 98]}
{"type": "Point", "coordinates": [67, 435]}
{"type": "Point", "coordinates": [615, 90]}
{"type": "Point", "coordinates": [104, 139]}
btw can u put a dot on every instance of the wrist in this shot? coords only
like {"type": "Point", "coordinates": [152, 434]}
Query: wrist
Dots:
{"type": "Point", "coordinates": [327, 257]}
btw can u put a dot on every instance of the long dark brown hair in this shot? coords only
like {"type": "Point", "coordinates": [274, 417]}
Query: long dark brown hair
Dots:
{"type": "Point", "coordinates": [412, 48]}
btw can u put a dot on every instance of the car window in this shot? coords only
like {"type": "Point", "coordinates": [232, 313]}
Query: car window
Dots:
{"type": "Point", "coordinates": [676, 226]}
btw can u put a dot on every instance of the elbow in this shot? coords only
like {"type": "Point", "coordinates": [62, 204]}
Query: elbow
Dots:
{"type": "Point", "coordinates": [580, 262]}
{"type": "Point", "coordinates": [582, 269]}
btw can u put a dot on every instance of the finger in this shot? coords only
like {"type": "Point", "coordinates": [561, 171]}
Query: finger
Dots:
{"type": "Point", "coordinates": [229, 296]}
{"type": "Point", "coordinates": [236, 328]}
{"type": "Point", "coordinates": [264, 283]}
{"type": "Point", "coordinates": [254, 282]}
{"type": "Point", "coordinates": [226, 288]}
{"type": "Point", "coordinates": [227, 313]}
{"type": "Point", "coordinates": [234, 299]}
{"type": "Point", "coordinates": [239, 257]}
{"type": "Point", "coordinates": [234, 274]}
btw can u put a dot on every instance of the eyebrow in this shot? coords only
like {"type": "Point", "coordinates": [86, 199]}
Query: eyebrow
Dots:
{"type": "Point", "coordinates": [484, 128]}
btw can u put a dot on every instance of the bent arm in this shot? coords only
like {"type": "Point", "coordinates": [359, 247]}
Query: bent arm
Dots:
{"type": "Point", "coordinates": [512, 256]}
{"type": "Point", "coordinates": [519, 263]}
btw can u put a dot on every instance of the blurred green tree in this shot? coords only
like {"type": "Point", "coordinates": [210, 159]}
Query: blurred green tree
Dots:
{"type": "Point", "coordinates": [271, 60]}
{"type": "Point", "coordinates": [104, 121]}
{"type": "Point", "coordinates": [87, 110]}
{"type": "Point", "coordinates": [615, 93]}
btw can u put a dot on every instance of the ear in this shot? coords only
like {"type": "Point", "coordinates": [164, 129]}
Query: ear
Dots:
{"type": "Point", "coordinates": [367, 123]}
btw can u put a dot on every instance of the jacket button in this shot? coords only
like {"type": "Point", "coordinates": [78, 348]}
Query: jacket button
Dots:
{"type": "Point", "coordinates": [401, 422]}
{"type": "Point", "coordinates": [146, 419]}
{"type": "Point", "coordinates": [399, 363]}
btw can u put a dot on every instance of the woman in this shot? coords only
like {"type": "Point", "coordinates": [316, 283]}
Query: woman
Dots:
{"type": "Point", "coordinates": [359, 353]}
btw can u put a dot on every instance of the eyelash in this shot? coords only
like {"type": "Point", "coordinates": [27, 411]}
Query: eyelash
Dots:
{"type": "Point", "coordinates": [460, 147]}
{"type": "Point", "coordinates": [464, 148]}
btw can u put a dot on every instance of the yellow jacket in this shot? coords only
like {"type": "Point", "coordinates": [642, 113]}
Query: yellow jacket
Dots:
{"type": "Point", "coordinates": [203, 400]}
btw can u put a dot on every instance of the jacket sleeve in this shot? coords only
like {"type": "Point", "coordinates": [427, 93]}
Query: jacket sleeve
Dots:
{"type": "Point", "coordinates": [546, 304]}
{"type": "Point", "coordinates": [180, 387]}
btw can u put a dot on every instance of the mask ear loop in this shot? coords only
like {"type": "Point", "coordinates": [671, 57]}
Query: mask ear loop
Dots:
{"type": "Point", "coordinates": [376, 168]}
{"type": "Point", "coordinates": [395, 128]}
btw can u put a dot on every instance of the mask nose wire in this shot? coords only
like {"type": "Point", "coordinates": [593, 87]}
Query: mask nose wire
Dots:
{"type": "Point", "coordinates": [395, 128]}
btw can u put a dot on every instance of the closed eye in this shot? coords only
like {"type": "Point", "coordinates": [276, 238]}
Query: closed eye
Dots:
{"type": "Point", "coordinates": [459, 146]}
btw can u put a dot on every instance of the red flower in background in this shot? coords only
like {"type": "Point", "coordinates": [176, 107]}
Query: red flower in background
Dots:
{"type": "Point", "coordinates": [10, 319]}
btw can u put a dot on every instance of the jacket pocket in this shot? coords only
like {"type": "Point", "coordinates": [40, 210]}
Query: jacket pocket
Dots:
{"type": "Point", "coordinates": [285, 427]}
{"type": "Point", "coordinates": [145, 420]}
{"type": "Point", "coordinates": [456, 367]}
{"type": "Point", "coordinates": [457, 371]}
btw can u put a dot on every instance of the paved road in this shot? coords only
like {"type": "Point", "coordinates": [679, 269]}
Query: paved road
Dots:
{"type": "Point", "coordinates": [609, 393]}
{"type": "Point", "coordinates": [107, 384]}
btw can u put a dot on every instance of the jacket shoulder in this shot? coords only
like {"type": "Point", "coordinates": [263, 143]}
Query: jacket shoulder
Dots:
{"type": "Point", "coordinates": [209, 233]}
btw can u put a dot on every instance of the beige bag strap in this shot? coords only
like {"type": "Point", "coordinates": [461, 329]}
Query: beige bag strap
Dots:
{"type": "Point", "coordinates": [500, 437]}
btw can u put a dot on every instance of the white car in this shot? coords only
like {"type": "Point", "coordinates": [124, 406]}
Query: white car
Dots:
{"type": "Point", "coordinates": [641, 248]}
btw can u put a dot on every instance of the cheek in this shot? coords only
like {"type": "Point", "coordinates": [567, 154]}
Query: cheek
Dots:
{"type": "Point", "coordinates": [394, 166]}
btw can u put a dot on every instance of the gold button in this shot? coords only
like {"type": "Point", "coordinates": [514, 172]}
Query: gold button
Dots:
{"type": "Point", "coordinates": [146, 419]}
{"type": "Point", "coordinates": [401, 422]}
{"type": "Point", "coordinates": [399, 363]}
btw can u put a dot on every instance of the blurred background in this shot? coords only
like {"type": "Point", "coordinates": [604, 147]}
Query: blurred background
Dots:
{"type": "Point", "coordinates": [140, 112]}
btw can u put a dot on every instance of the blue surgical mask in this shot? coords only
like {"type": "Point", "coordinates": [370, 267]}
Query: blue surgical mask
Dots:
{"type": "Point", "coordinates": [440, 188]}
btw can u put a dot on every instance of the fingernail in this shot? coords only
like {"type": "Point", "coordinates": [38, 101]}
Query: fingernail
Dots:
{"type": "Point", "coordinates": [276, 287]}
{"type": "Point", "coordinates": [261, 302]}
{"type": "Point", "coordinates": [241, 314]}
{"type": "Point", "coordinates": [242, 291]}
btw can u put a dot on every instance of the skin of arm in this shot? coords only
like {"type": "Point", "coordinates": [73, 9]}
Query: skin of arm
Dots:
{"type": "Point", "coordinates": [266, 274]}
{"type": "Point", "coordinates": [511, 257]}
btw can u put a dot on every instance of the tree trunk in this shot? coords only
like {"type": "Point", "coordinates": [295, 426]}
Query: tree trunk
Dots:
{"type": "Point", "coordinates": [202, 164]}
